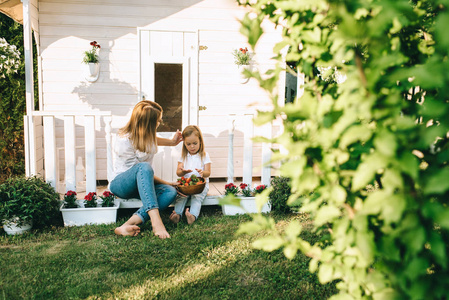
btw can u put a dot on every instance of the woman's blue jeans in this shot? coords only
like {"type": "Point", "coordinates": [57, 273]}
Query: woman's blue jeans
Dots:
{"type": "Point", "coordinates": [138, 182]}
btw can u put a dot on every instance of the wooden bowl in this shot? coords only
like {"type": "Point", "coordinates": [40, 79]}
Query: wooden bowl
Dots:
{"type": "Point", "coordinates": [192, 189]}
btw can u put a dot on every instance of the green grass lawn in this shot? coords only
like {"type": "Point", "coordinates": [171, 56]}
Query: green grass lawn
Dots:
{"type": "Point", "coordinates": [203, 261]}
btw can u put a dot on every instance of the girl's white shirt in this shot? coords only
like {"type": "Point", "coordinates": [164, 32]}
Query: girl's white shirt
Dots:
{"type": "Point", "coordinates": [126, 156]}
{"type": "Point", "coordinates": [193, 162]}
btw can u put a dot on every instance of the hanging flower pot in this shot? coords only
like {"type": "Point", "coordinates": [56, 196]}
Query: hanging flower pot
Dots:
{"type": "Point", "coordinates": [243, 60]}
{"type": "Point", "coordinates": [243, 78]}
{"type": "Point", "coordinates": [91, 59]}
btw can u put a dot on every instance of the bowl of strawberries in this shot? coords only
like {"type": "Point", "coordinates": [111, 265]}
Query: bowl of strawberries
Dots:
{"type": "Point", "coordinates": [192, 185]}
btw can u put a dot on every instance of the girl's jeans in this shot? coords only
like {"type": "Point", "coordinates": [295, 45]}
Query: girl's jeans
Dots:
{"type": "Point", "coordinates": [195, 203]}
{"type": "Point", "coordinates": [138, 182]}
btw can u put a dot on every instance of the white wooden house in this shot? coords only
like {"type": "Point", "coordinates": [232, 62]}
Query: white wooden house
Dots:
{"type": "Point", "coordinates": [175, 52]}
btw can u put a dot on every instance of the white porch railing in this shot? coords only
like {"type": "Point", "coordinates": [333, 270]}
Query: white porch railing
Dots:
{"type": "Point", "coordinates": [247, 124]}
{"type": "Point", "coordinates": [51, 163]}
{"type": "Point", "coordinates": [244, 123]}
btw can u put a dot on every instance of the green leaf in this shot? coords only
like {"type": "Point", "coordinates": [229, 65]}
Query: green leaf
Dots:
{"type": "Point", "coordinates": [293, 230]}
{"type": "Point", "coordinates": [366, 171]}
{"type": "Point", "coordinates": [438, 183]}
{"type": "Point", "coordinates": [230, 200]}
{"type": "Point", "coordinates": [262, 198]}
{"type": "Point", "coordinates": [252, 29]}
{"type": "Point", "coordinates": [269, 243]}
{"type": "Point", "coordinates": [385, 142]}
{"type": "Point", "coordinates": [338, 194]}
{"type": "Point", "coordinates": [290, 251]}
{"type": "Point", "coordinates": [417, 267]}
{"type": "Point", "coordinates": [393, 208]}
{"type": "Point", "coordinates": [249, 228]}
{"type": "Point", "coordinates": [442, 217]}
{"type": "Point", "coordinates": [326, 214]}
{"type": "Point", "coordinates": [409, 164]}
{"type": "Point", "coordinates": [353, 134]}
{"type": "Point", "coordinates": [325, 273]}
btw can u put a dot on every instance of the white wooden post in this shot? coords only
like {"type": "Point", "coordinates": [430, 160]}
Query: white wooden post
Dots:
{"type": "Point", "coordinates": [266, 156]}
{"type": "Point", "coordinates": [231, 149]}
{"type": "Point", "coordinates": [51, 174]}
{"type": "Point", "coordinates": [90, 148]}
{"type": "Point", "coordinates": [69, 153]}
{"type": "Point", "coordinates": [107, 129]}
{"type": "Point", "coordinates": [29, 132]}
{"type": "Point", "coordinates": [248, 133]}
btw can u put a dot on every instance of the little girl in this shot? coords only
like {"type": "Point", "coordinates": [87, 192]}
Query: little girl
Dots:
{"type": "Point", "coordinates": [194, 160]}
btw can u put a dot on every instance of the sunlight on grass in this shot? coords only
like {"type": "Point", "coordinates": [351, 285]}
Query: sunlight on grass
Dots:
{"type": "Point", "coordinates": [215, 259]}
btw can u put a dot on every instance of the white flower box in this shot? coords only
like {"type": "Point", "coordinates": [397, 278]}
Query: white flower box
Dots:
{"type": "Point", "coordinates": [249, 206]}
{"type": "Point", "coordinates": [94, 215]}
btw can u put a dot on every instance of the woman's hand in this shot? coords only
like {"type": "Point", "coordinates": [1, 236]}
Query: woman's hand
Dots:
{"type": "Point", "coordinates": [175, 185]}
{"type": "Point", "coordinates": [177, 138]}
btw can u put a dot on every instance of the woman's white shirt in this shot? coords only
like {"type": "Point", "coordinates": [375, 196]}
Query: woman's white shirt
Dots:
{"type": "Point", "coordinates": [126, 156]}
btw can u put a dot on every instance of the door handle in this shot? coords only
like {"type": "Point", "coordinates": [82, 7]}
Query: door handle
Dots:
{"type": "Point", "coordinates": [202, 107]}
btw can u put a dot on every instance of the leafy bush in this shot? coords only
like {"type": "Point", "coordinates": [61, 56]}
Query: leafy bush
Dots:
{"type": "Point", "coordinates": [378, 117]}
{"type": "Point", "coordinates": [279, 194]}
{"type": "Point", "coordinates": [29, 198]}
{"type": "Point", "coordinates": [12, 104]}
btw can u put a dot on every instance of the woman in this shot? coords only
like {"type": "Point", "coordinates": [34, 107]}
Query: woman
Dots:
{"type": "Point", "coordinates": [134, 149]}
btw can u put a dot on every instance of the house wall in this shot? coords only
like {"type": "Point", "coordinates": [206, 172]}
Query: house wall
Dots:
{"type": "Point", "coordinates": [67, 27]}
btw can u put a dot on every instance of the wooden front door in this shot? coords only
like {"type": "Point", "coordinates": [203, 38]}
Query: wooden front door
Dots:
{"type": "Point", "coordinates": [169, 76]}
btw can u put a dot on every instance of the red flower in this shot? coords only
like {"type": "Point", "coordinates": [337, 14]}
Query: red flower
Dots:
{"type": "Point", "coordinates": [90, 196]}
{"type": "Point", "coordinates": [108, 194]}
{"type": "Point", "coordinates": [243, 185]}
{"type": "Point", "coordinates": [70, 193]}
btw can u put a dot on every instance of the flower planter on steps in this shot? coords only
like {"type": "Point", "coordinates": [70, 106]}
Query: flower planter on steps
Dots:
{"type": "Point", "coordinates": [249, 206]}
{"type": "Point", "coordinates": [95, 215]}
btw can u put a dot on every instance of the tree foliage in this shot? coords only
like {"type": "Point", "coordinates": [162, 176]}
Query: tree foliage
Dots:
{"type": "Point", "coordinates": [368, 157]}
{"type": "Point", "coordinates": [12, 103]}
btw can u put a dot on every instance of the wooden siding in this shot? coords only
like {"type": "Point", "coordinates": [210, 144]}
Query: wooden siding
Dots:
{"type": "Point", "coordinates": [67, 27]}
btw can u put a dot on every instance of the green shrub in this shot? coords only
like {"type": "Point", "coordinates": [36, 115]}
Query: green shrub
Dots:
{"type": "Point", "coordinates": [384, 126]}
{"type": "Point", "coordinates": [12, 103]}
{"type": "Point", "coordinates": [280, 193]}
{"type": "Point", "coordinates": [29, 198]}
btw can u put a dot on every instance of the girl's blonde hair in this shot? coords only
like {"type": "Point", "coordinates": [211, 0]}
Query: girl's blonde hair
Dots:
{"type": "Point", "coordinates": [188, 131]}
{"type": "Point", "coordinates": [141, 127]}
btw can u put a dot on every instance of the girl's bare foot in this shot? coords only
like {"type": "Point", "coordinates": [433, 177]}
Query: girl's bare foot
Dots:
{"type": "Point", "coordinates": [174, 217]}
{"type": "Point", "coordinates": [190, 218]}
{"type": "Point", "coordinates": [127, 229]}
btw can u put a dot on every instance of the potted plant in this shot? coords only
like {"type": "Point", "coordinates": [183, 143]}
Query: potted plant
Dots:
{"type": "Point", "coordinates": [70, 200]}
{"type": "Point", "coordinates": [88, 210]}
{"type": "Point", "coordinates": [233, 205]}
{"type": "Point", "coordinates": [91, 58]}
{"type": "Point", "coordinates": [246, 190]}
{"type": "Point", "coordinates": [243, 60]}
{"type": "Point", "coordinates": [107, 199]}
{"type": "Point", "coordinates": [27, 202]}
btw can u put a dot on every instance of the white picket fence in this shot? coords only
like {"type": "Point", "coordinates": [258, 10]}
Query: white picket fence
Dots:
{"type": "Point", "coordinates": [91, 120]}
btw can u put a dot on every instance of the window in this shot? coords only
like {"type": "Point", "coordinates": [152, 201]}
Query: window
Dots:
{"type": "Point", "coordinates": [168, 94]}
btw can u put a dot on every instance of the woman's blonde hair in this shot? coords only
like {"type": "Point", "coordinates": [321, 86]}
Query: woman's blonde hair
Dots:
{"type": "Point", "coordinates": [141, 127]}
{"type": "Point", "coordinates": [188, 131]}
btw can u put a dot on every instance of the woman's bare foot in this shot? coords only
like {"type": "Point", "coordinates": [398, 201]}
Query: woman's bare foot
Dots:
{"type": "Point", "coordinates": [156, 222]}
{"type": "Point", "coordinates": [161, 232]}
{"type": "Point", "coordinates": [190, 218]}
{"type": "Point", "coordinates": [174, 217]}
{"type": "Point", "coordinates": [127, 229]}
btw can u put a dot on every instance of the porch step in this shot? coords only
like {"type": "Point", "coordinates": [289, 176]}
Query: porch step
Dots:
{"type": "Point", "coordinates": [137, 203]}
